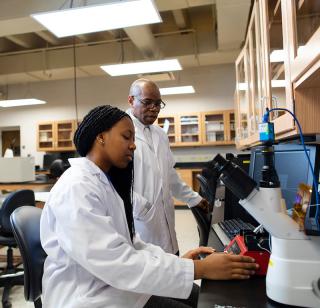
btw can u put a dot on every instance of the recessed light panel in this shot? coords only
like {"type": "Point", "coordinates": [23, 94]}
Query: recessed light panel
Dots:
{"type": "Point", "coordinates": [88, 19]}
{"type": "Point", "coordinates": [142, 67]}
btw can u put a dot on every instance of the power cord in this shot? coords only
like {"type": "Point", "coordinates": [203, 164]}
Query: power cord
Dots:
{"type": "Point", "coordinates": [265, 119]}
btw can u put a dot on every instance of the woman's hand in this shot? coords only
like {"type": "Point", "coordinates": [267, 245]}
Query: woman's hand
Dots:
{"type": "Point", "coordinates": [223, 266]}
{"type": "Point", "coordinates": [194, 253]}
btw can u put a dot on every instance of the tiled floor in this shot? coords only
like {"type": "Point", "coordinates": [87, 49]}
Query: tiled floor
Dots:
{"type": "Point", "coordinates": [187, 237]}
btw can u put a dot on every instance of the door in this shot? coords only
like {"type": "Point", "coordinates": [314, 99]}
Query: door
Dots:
{"type": "Point", "coordinates": [11, 140]}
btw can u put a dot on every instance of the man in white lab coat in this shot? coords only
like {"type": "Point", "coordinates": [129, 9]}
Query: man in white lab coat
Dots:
{"type": "Point", "coordinates": [155, 179]}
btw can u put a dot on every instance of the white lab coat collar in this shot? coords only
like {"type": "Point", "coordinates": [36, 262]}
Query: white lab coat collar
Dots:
{"type": "Point", "coordinates": [139, 127]}
{"type": "Point", "coordinates": [89, 165]}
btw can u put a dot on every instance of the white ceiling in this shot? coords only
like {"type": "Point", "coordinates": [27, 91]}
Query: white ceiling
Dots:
{"type": "Point", "coordinates": [197, 32]}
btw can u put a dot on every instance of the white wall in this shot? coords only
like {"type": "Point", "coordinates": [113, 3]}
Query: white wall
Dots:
{"type": "Point", "coordinates": [214, 87]}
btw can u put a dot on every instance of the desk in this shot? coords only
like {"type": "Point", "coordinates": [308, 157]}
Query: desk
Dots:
{"type": "Point", "coordinates": [34, 185]}
{"type": "Point", "coordinates": [234, 293]}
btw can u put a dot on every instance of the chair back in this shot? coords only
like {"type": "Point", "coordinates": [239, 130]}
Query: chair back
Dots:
{"type": "Point", "coordinates": [57, 168]}
{"type": "Point", "coordinates": [208, 185]}
{"type": "Point", "coordinates": [205, 190]}
{"type": "Point", "coordinates": [25, 223]}
{"type": "Point", "coordinates": [13, 201]}
{"type": "Point", "coordinates": [204, 222]}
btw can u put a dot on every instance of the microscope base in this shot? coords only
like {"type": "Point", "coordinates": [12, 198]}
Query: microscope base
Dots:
{"type": "Point", "coordinates": [293, 267]}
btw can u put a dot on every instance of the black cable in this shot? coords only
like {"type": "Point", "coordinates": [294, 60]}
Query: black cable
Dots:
{"type": "Point", "coordinates": [122, 49]}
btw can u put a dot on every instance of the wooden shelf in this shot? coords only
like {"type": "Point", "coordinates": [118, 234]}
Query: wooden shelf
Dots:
{"type": "Point", "coordinates": [181, 138]}
{"type": "Point", "coordinates": [194, 134]}
{"type": "Point", "coordinates": [189, 123]}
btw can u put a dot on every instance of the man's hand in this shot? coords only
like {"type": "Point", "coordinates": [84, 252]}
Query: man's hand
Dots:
{"type": "Point", "coordinates": [204, 204]}
{"type": "Point", "coordinates": [194, 253]}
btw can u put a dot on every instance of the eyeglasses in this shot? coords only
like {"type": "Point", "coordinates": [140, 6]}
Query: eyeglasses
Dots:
{"type": "Point", "coordinates": [150, 103]}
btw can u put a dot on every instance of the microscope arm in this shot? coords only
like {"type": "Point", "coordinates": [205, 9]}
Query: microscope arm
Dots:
{"type": "Point", "coordinates": [265, 206]}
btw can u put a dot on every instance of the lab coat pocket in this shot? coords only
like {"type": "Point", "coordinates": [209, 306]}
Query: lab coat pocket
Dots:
{"type": "Point", "coordinates": [147, 212]}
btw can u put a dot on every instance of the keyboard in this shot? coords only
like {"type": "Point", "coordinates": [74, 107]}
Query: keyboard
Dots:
{"type": "Point", "coordinates": [228, 229]}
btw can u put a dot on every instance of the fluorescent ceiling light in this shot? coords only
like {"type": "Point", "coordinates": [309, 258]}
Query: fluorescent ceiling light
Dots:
{"type": "Point", "coordinates": [278, 83]}
{"type": "Point", "coordinates": [142, 67]}
{"type": "Point", "coordinates": [177, 90]}
{"type": "Point", "coordinates": [277, 55]}
{"type": "Point", "coordinates": [21, 102]}
{"type": "Point", "coordinates": [97, 18]}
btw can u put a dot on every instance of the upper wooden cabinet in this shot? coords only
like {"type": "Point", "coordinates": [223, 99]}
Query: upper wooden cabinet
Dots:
{"type": "Point", "coordinates": [218, 127]}
{"type": "Point", "coordinates": [189, 129]}
{"type": "Point", "coordinates": [200, 128]}
{"type": "Point", "coordinates": [56, 136]}
{"type": "Point", "coordinates": [279, 60]}
{"type": "Point", "coordinates": [170, 125]}
{"type": "Point", "coordinates": [304, 35]}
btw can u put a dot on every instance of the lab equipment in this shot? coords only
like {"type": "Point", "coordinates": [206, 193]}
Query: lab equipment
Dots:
{"type": "Point", "coordinates": [294, 264]}
{"type": "Point", "coordinates": [17, 169]}
{"type": "Point", "coordinates": [252, 245]}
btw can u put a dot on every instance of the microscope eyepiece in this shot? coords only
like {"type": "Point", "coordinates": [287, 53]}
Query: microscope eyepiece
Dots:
{"type": "Point", "coordinates": [234, 177]}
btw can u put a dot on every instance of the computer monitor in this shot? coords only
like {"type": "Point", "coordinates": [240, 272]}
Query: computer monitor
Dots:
{"type": "Point", "coordinates": [292, 167]}
{"type": "Point", "coordinates": [232, 208]}
{"type": "Point", "coordinates": [48, 159]}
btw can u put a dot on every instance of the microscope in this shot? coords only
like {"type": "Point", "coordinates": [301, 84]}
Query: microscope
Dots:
{"type": "Point", "coordinates": [293, 275]}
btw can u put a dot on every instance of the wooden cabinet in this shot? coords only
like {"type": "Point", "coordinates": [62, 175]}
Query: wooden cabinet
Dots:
{"type": "Point", "coordinates": [56, 136]}
{"type": "Point", "coordinates": [218, 127]}
{"type": "Point", "coordinates": [304, 27]}
{"type": "Point", "coordinates": [189, 177]}
{"type": "Point", "coordinates": [189, 129]}
{"type": "Point", "coordinates": [280, 60]}
{"type": "Point", "coordinates": [199, 129]}
{"type": "Point", "coordinates": [279, 92]}
{"type": "Point", "coordinates": [169, 124]}
{"type": "Point", "coordinates": [45, 137]}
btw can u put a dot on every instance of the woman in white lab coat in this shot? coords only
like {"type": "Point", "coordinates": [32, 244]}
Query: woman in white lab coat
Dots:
{"type": "Point", "coordinates": [87, 230]}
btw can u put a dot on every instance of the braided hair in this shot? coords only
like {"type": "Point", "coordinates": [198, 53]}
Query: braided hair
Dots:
{"type": "Point", "coordinates": [98, 120]}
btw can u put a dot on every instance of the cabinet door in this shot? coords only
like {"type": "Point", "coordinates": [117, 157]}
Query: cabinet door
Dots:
{"type": "Point", "coordinates": [64, 135]}
{"type": "Point", "coordinates": [189, 132]}
{"type": "Point", "coordinates": [214, 131]}
{"type": "Point", "coordinates": [280, 88]}
{"type": "Point", "coordinates": [230, 127]}
{"type": "Point", "coordinates": [306, 35]}
{"type": "Point", "coordinates": [45, 136]}
{"type": "Point", "coordinates": [168, 123]}
{"type": "Point", "coordinates": [257, 79]}
{"type": "Point", "coordinates": [242, 97]}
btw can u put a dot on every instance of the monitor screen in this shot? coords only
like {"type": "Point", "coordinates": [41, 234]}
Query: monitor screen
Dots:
{"type": "Point", "coordinates": [48, 159]}
{"type": "Point", "coordinates": [291, 165]}
{"type": "Point", "coordinates": [232, 208]}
